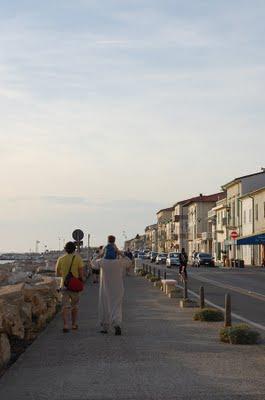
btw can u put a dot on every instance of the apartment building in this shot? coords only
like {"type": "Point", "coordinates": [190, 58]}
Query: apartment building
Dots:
{"type": "Point", "coordinates": [180, 225]}
{"type": "Point", "coordinates": [151, 237]}
{"type": "Point", "coordinates": [251, 243]}
{"type": "Point", "coordinates": [198, 225]}
{"type": "Point", "coordinates": [235, 189]}
{"type": "Point", "coordinates": [217, 228]}
{"type": "Point", "coordinates": [163, 217]}
{"type": "Point", "coordinates": [137, 243]}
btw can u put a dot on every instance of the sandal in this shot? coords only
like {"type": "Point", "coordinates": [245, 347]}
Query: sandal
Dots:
{"type": "Point", "coordinates": [66, 330]}
{"type": "Point", "coordinates": [74, 327]}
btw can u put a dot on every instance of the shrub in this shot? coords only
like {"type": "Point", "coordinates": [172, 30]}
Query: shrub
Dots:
{"type": "Point", "coordinates": [148, 276]}
{"type": "Point", "coordinates": [239, 334]}
{"type": "Point", "coordinates": [209, 314]}
{"type": "Point", "coordinates": [154, 279]}
{"type": "Point", "coordinates": [141, 272]}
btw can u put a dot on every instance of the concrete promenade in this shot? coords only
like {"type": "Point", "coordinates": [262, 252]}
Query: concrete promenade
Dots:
{"type": "Point", "coordinates": [162, 354]}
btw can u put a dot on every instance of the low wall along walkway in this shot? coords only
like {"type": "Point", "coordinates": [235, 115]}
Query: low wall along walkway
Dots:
{"type": "Point", "coordinates": [25, 309]}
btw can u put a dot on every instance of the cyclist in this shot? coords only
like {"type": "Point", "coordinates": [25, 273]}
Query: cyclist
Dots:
{"type": "Point", "coordinates": [183, 259]}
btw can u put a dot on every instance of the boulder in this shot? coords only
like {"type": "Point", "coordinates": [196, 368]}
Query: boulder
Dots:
{"type": "Point", "coordinates": [11, 321]}
{"type": "Point", "coordinates": [4, 276]}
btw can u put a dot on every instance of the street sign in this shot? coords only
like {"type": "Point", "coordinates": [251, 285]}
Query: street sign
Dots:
{"type": "Point", "coordinates": [234, 235]}
{"type": "Point", "coordinates": [78, 235]}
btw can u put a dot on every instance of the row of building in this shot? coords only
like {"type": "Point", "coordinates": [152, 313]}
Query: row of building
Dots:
{"type": "Point", "coordinates": [230, 224]}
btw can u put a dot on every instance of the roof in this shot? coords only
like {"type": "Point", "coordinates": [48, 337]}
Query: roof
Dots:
{"type": "Point", "coordinates": [165, 209]}
{"type": "Point", "coordinates": [207, 198]}
{"type": "Point", "coordinates": [262, 189]}
{"type": "Point", "coordinates": [153, 226]}
{"type": "Point", "coordinates": [185, 201]}
{"type": "Point", "coordinates": [239, 179]}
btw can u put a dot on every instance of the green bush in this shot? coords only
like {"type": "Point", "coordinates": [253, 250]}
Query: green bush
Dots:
{"type": "Point", "coordinates": [239, 334]}
{"type": "Point", "coordinates": [154, 278]}
{"type": "Point", "coordinates": [209, 314]}
{"type": "Point", "coordinates": [148, 276]}
{"type": "Point", "coordinates": [141, 272]}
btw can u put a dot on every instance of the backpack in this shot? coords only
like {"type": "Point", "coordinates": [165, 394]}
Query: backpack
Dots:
{"type": "Point", "coordinates": [71, 282]}
{"type": "Point", "coordinates": [110, 252]}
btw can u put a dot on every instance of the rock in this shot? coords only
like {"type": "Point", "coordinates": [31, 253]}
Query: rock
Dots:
{"type": "Point", "coordinates": [25, 309]}
{"type": "Point", "coordinates": [4, 276]}
{"type": "Point", "coordinates": [5, 350]}
{"type": "Point", "coordinates": [17, 277]}
{"type": "Point", "coordinates": [11, 320]}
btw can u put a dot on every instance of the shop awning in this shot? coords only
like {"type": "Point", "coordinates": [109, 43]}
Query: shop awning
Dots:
{"type": "Point", "coordinates": [253, 239]}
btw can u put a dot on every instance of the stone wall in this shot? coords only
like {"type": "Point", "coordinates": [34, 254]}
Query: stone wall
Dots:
{"type": "Point", "coordinates": [25, 309]}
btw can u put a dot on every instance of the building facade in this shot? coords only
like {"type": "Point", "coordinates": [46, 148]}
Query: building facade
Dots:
{"type": "Point", "coordinates": [164, 216]}
{"type": "Point", "coordinates": [199, 231]}
{"type": "Point", "coordinates": [151, 237]}
{"type": "Point", "coordinates": [235, 190]}
{"type": "Point", "coordinates": [251, 243]}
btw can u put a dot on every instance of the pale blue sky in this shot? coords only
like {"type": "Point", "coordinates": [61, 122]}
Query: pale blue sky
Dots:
{"type": "Point", "coordinates": [113, 109]}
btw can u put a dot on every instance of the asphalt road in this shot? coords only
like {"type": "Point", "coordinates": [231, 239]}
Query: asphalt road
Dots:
{"type": "Point", "coordinates": [246, 286]}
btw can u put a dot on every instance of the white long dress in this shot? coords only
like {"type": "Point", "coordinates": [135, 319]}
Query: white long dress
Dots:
{"type": "Point", "coordinates": [111, 291]}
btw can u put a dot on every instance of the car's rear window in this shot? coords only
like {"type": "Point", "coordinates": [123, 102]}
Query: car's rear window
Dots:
{"type": "Point", "coordinates": [205, 255]}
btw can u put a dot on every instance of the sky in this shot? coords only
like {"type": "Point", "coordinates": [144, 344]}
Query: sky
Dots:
{"type": "Point", "coordinates": [112, 110]}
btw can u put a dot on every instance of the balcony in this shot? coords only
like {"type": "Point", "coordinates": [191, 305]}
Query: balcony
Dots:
{"type": "Point", "coordinates": [212, 214]}
{"type": "Point", "coordinates": [224, 221]}
{"type": "Point", "coordinates": [206, 236]}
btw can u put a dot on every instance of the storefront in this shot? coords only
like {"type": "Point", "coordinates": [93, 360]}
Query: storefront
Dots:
{"type": "Point", "coordinates": [257, 244]}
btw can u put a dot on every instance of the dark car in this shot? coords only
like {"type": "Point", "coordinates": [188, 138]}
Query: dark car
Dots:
{"type": "Point", "coordinates": [153, 255]}
{"type": "Point", "coordinates": [204, 259]}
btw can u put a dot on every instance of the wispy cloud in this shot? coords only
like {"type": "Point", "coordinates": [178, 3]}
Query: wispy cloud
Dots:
{"type": "Point", "coordinates": [106, 109]}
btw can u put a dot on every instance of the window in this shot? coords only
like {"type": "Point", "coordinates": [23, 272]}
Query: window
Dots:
{"type": "Point", "coordinates": [256, 211]}
{"type": "Point", "coordinates": [249, 215]}
{"type": "Point", "coordinates": [245, 217]}
{"type": "Point", "coordinates": [264, 209]}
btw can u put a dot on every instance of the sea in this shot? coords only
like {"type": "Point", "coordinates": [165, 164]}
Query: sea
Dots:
{"type": "Point", "coordinates": [6, 261]}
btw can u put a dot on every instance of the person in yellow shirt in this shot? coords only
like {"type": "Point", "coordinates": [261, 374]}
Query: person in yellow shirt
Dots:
{"type": "Point", "coordinates": [70, 300]}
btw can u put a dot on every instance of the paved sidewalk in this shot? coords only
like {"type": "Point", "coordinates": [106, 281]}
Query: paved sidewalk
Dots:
{"type": "Point", "coordinates": [162, 354]}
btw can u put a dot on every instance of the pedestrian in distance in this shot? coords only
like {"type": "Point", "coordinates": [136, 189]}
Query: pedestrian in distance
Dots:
{"type": "Point", "coordinates": [183, 259]}
{"type": "Point", "coordinates": [111, 290]}
{"type": "Point", "coordinates": [128, 254]}
{"type": "Point", "coordinates": [95, 269]}
{"type": "Point", "coordinates": [70, 268]}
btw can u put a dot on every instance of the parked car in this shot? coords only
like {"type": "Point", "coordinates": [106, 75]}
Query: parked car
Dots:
{"type": "Point", "coordinates": [172, 259]}
{"type": "Point", "coordinates": [204, 259]}
{"type": "Point", "coordinates": [161, 258]}
{"type": "Point", "coordinates": [141, 255]}
{"type": "Point", "coordinates": [146, 254]}
{"type": "Point", "coordinates": [135, 254]}
{"type": "Point", "coordinates": [153, 256]}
